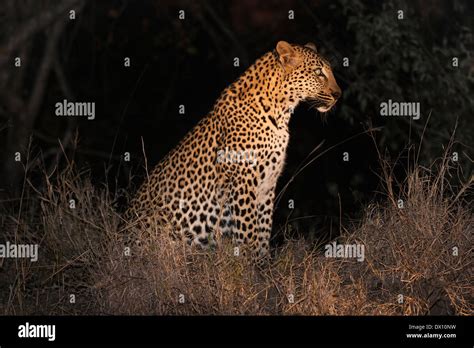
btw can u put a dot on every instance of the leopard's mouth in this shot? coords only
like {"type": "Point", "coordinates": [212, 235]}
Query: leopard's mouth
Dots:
{"type": "Point", "coordinates": [322, 105]}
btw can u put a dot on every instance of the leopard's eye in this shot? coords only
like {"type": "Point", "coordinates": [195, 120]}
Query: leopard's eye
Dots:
{"type": "Point", "coordinates": [319, 71]}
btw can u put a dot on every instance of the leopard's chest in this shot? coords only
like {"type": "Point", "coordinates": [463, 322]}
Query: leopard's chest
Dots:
{"type": "Point", "coordinates": [272, 161]}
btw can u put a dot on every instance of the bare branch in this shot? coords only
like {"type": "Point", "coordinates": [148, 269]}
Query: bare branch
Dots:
{"type": "Point", "coordinates": [36, 24]}
{"type": "Point", "coordinates": [42, 78]}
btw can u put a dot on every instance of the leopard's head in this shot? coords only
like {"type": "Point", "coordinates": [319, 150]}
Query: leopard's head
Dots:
{"type": "Point", "coordinates": [308, 75]}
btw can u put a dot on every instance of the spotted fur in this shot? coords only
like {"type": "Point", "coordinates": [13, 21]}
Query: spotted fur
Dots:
{"type": "Point", "coordinates": [221, 178]}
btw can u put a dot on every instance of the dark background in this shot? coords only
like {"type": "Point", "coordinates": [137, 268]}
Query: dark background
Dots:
{"type": "Point", "coordinates": [190, 61]}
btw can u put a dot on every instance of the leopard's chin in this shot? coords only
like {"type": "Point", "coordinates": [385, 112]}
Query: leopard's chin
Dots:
{"type": "Point", "coordinates": [325, 108]}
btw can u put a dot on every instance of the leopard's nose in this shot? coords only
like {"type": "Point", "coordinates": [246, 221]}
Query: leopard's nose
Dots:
{"type": "Point", "coordinates": [336, 93]}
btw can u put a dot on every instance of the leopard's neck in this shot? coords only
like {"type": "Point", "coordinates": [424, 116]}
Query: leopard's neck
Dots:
{"type": "Point", "coordinates": [262, 87]}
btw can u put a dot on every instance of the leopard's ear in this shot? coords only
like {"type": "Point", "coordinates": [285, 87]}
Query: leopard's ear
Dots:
{"type": "Point", "coordinates": [311, 46]}
{"type": "Point", "coordinates": [288, 56]}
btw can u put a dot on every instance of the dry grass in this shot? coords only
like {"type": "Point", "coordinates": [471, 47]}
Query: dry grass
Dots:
{"type": "Point", "coordinates": [408, 252]}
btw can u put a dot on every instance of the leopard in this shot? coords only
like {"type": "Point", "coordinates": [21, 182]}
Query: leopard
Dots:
{"type": "Point", "coordinates": [220, 180]}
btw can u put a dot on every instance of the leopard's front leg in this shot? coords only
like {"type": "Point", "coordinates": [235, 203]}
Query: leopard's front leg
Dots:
{"type": "Point", "coordinates": [265, 221]}
{"type": "Point", "coordinates": [251, 224]}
